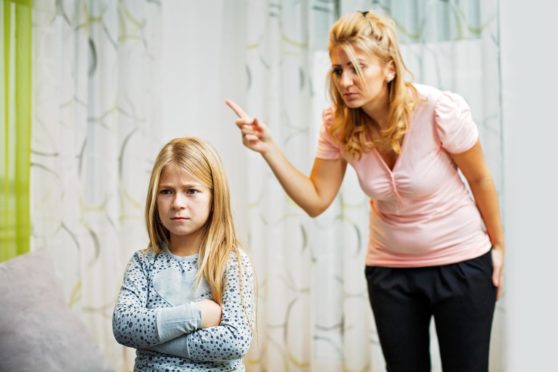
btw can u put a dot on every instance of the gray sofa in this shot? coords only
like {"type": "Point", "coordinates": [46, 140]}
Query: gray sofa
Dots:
{"type": "Point", "coordinates": [38, 331]}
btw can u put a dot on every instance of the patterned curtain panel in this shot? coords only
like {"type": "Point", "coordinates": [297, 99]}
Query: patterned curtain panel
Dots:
{"type": "Point", "coordinates": [95, 127]}
{"type": "Point", "coordinates": [15, 127]}
{"type": "Point", "coordinates": [314, 313]}
{"type": "Point", "coordinates": [279, 93]}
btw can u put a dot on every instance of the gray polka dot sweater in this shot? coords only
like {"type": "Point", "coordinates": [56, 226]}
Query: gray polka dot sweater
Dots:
{"type": "Point", "coordinates": [157, 314]}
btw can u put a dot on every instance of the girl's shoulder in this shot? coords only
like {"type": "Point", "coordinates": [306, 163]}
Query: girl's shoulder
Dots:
{"type": "Point", "coordinates": [242, 254]}
{"type": "Point", "coordinates": [239, 258]}
{"type": "Point", "coordinates": [145, 254]}
{"type": "Point", "coordinates": [144, 257]}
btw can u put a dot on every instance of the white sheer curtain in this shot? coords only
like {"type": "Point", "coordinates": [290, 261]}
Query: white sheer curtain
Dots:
{"type": "Point", "coordinates": [279, 93]}
{"type": "Point", "coordinates": [95, 123]}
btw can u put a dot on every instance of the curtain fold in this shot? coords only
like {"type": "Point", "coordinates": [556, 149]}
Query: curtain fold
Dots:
{"type": "Point", "coordinates": [96, 133]}
{"type": "Point", "coordinates": [278, 93]}
{"type": "Point", "coordinates": [16, 106]}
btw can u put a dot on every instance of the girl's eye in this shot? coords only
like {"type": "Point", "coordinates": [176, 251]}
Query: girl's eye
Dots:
{"type": "Point", "coordinates": [192, 191]}
{"type": "Point", "coordinates": [165, 192]}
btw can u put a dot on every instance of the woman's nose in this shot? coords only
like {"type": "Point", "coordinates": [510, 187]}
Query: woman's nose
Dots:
{"type": "Point", "coordinates": [346, 79]}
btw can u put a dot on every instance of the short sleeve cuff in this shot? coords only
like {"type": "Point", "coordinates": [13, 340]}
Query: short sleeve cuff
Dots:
{"type": "Point", "coordinates": [454, 123]}
{"type": "Point", "coordinates": [328, 149]}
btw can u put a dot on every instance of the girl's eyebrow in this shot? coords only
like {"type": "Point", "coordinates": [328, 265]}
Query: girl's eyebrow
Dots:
{"type": "Point", "coordinates": [171, 186]}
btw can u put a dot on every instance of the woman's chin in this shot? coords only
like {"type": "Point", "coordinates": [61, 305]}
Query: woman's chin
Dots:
{"type": "Point", "coordinates": [353, 104]}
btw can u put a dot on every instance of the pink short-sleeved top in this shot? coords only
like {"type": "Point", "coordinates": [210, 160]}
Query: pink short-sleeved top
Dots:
{"type": "Point", "coordinates": [421, 211]}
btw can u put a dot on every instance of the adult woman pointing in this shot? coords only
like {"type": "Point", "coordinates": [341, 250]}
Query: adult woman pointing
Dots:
{"type": "Point", "coordinates": [434, 249]}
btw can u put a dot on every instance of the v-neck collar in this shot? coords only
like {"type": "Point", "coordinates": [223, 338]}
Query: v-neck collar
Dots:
{"type": "Point", "coordinates": [391, 171]}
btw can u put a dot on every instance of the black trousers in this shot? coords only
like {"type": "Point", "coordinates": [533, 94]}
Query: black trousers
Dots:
{"type": "Point", "coordinates": [460, 297]}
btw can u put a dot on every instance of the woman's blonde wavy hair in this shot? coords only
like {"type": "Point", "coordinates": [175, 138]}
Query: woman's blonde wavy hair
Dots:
{"type": "Point", "coordinates": [197, 158]}
{"type": "Point", "coordinates": [371, 33]}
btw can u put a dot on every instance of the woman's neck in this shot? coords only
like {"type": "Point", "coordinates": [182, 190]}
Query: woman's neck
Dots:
{"type": "Point", "coordinates": [378, 111]}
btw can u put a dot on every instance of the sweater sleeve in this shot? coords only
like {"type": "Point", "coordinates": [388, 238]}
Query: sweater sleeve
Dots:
{"type": "Point", "coordinates": [137, 326]}
{"type": "Point", "coordinates": [231, 339]}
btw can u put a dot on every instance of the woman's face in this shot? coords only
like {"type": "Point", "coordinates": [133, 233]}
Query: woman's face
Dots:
{"type": "Point", "coordinates": [376, 75]}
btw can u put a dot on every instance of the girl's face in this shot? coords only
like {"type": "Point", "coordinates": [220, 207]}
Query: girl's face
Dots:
{"type": "Point", "coordinates": [184, 205]}
{"type": "Point", "coordinates": [356, 94]}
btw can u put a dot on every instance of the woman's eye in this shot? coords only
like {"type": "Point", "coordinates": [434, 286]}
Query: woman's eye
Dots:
{"type": "Point", "coordinates": [192, 191]}
{"type": "Point", "coordinates": [337, 72]}
{"type": "Point", "coordinates": [165, 192]}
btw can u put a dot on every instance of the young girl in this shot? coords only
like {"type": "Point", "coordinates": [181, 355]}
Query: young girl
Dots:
{"type": "Point", "coordinates": [187, 301]}
{"type": "Point", "coordinates": [433, 250]}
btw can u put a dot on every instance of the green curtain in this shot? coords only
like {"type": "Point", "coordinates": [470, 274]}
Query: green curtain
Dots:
{"type": "Point", "coordinates": [15, 136]}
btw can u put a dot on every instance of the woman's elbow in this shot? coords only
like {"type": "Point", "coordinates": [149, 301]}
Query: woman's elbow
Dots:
{"type": "Point", "coordinates": [315, 210]}
{"type": "Point", "coordinates": [481, 182]}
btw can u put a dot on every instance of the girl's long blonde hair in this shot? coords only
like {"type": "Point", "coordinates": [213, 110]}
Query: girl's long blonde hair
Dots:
{"type": "Point", "coordinates": [201, 161]}
{"type": "Point", "coordinates": [371, 33]}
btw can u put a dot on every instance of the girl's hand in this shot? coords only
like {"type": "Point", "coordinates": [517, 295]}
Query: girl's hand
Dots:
{"type": "Point", "coordinates": [498, 272]}
{"type": "Point", "coordinates": [255, 134]}
{"type": "Point", "coordinates": [211, 313]}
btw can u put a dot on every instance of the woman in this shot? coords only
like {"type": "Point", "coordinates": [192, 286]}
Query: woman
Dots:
{"type": "Point", "coordinates": [433, 251]}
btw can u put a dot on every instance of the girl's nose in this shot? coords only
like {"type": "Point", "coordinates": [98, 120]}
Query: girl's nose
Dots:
{"type": "Point", "coordinates": [179, 201]}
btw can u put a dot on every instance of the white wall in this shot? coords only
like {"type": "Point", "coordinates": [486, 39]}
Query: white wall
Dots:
{"type": "Point", "coordinates": [530, 78]}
